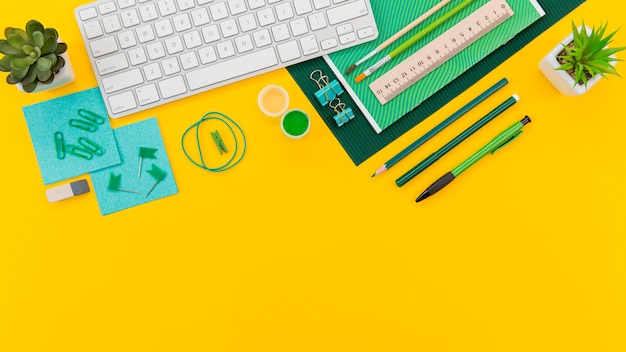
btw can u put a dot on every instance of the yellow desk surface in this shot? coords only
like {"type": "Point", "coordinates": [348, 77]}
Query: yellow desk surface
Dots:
{"type": "Point", "coordinates": [296, 249]}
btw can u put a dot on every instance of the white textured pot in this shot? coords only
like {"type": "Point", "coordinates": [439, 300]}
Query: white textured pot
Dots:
{"type": "Point", "coordinates": [65, 76]}
{"type": "Point", "coordinates": [561, 80]}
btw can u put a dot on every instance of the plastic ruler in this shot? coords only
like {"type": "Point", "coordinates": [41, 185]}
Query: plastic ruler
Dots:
{"type": "Point", "coordinates": [440, 50]}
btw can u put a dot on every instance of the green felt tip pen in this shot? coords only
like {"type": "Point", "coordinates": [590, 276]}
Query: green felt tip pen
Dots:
{"type": "Point", "coordinates": [501, 140]}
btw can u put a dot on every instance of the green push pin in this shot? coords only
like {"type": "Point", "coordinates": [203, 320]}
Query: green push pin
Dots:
{"type": "Point", "coordinates": [145, 153]}
{"type": "Point", "coordinates": [158, 175]}
{"type": "Point", "coordinates": [115, 183]}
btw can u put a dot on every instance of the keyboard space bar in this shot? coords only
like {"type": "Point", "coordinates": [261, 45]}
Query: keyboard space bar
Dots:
{"type": "Point", "coordinates": [230, 69]}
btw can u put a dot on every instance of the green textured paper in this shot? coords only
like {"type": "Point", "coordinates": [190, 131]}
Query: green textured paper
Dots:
{"type": "Point", "coordinates": [358, 138]}
{"type": "Point", "coordinates": [391, 19]}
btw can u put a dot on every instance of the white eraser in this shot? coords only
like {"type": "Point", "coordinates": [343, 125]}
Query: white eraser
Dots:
{"type": "Point", "coordinates": [67, 190]}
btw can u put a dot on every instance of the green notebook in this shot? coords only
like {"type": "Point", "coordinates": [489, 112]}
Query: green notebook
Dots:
{"type": "Point", "coordinates": [391, 19]}
{"type": "Point", "coordinates": [357, 137]}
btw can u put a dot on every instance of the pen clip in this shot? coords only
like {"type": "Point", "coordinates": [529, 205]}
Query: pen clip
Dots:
{"type": "Point", "coordinates": [505, 143]}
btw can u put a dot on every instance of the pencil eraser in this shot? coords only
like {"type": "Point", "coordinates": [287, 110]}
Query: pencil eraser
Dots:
{"type": "Point", "coordinates": [516, 97]}
{"type": "Point", "coordinates": [67, 190]}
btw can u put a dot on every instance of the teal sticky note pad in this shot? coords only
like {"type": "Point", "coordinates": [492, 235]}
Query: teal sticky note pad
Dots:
{"type": "Point", "coordinates": [143, 134]}
{"type": "Point", "coordinates": [52, 117]}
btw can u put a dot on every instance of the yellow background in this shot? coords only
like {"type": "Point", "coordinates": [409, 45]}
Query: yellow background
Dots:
{"type": "Point", "coordinates": [296, 249]}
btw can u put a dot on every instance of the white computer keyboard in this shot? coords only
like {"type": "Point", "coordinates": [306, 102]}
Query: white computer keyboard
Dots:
{"type": "Point", "coordinates": [150, 52]}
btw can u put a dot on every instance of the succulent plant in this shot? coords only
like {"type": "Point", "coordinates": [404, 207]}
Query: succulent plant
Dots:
{"type": "Point", "coordinates": [588, 54]}
{"type": "Point", "coordinates": [31, 55]}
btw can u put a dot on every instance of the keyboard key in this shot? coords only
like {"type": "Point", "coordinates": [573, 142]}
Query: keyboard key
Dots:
{"type": "Point", "coordinates": [172, 87]}
{"type": "Point", "coordinates": [111, 24]}
{"type": "Point", "coordinates": [210, 34]}
{"type": "Point", "coordinates": [145, 34]}
{"type": "Point", "coordinates": [148, 12]}
{"type": "Point", "coordinates": [266, 17]}
{"type": "Point", "coordinates": [225, 49]}
{"type": "Point", "coordinates": [229, 28]}
{"type": "Point", "coordinates": [155, 50]}
{"type": "Point", "coordinates": [346, 12]}
{"type": "Point", "coordinates": [171, 66]}
{"type": "Point", "coordinates": [236, 7]}
{"type": "Point", "coordinates": [192, 39]}
{"type": "Point", "coordinates": [130, 18]}
{"type": "Point", "coordinates": [244, 43]}
{"type": "Point", "coordinates": [137, 56]}
{"type": "Point", "coordinates": [123, 4]}
{"type": "Point", "coordinates": [166, 7]}
{"type": "Point", "coordinates": [122, 102]}
{"type": "Point", "coordinates": [189, 60]}
{"type": "Point", "coordinates": [280, 32]}
{"type": "Point", "coordinates": [107, 7]}
{"type": "Point", "coordinates": [317, 21]}
{"type": "Point", "coordinates": [147, 94]}
{"type": "Point", "coordinates": [225, 70]}
{"type": "Point", "coordinates": [103, 46]}
{"type": "Point", "coordinates": [329, 43]}
{"type": "Point", "coordinates": [122, 80]}
{"type": "Point", "coordinates": [112, 64]}
{"type": "Point", "coordinates": [320, 4]}
{"type": "Point", "coordinates": [262, 38]}
{"type": "Point", "coordinates": [365, 32]}
{"type": "Point", "coordinates": [302, 6]}
{"type": "Point", "coordinates": [185, 4]}
{"type": "Point", "coordinates": [163, 28]}
{"type": "Point", "coordinates": [152, 71]}
{"type": "Point", "coordinates": [218, 11]}
{"type": "Point", "coordinates": [247, 22]}
{"type": "Point", "coordinates": [284, 11]}
{"type": "Point", "coordinates": [347, 38]}
{"type": "Point", "coordinates": [182, 22]}
{"type": "Point", "coordinates": [127, 39]}
{"type": "Point", "coordinates": [88, 13]}
{"type": "Point", "coordinates": [288, 51]}
{"type": "Point", "coordinates": [309, 45]}
{"type": "Point", "coordinates": [200, 17]}
{"type": "Point", "coordinates": [298, 27]}
{"type": "Point", "coordinates": [174, 45]}
{"type": "Point", "coordinates": [255, 4]}
{"type": "Point", "coordinates": [207, 55]}
{"type": "Point", "coordinates": [93, 29]}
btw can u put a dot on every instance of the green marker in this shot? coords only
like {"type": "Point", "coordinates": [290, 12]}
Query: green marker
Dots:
{"type": "Point", "coordinates": [504, 138]}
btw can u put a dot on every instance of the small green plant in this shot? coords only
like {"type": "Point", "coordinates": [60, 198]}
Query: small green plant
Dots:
{"type": "Point", "coordinates": [588, 54]}
{"type": "Point", "coordinates": [31, 55]}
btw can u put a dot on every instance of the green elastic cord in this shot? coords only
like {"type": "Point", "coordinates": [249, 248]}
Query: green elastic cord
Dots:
{"type": "Point", "coordinates": [214, 115]}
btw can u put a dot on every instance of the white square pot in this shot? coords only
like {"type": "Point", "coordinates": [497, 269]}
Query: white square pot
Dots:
{"type": "Point", "coordinates": [561, 80]}
{"type": "Point", "coordinates": [65, 76]}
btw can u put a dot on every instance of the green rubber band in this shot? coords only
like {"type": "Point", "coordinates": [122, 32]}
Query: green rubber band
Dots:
{"type": "Point", "coordinates": [214, 115]}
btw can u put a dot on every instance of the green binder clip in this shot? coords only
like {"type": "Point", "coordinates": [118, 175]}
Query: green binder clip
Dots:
{"type": "Point", "coordinates": [219, 142]}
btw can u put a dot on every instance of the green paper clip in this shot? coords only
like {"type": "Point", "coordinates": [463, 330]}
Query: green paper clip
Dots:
{"type": "Point", "coordinates": [59, 144]}
{"type": "Point", "coordinates": [79, 152]}
{"type": "Point", "coordinates": [219, 142]}
{"type": "Point", "coordinates": [83, 125]}
{"type": "Point", "coordinates": [91, 146]}
{"type": "Point", "coordinates": [91, 116]}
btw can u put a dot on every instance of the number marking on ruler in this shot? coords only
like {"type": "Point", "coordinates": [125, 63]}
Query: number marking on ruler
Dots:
{"type": "Point", "coordinates": [440, 50]}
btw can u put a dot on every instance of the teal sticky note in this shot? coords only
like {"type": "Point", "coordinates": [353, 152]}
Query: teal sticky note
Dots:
{"type": "Point", "coordinates": [52, 117]}
{"type": "Point", "coordinates": [130, 138]}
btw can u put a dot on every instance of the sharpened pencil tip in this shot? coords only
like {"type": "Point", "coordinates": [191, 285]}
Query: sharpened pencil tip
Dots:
{"type": "Point", "coordinates": [360, 77]}
{"type": "Point", "coordinates": [350, 69]}
{"type": "Point", "coordinates": [374, 175]}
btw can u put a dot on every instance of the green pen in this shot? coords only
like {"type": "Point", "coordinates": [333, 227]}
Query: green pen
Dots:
{"type": "Point", "coordinates": [501, 140]}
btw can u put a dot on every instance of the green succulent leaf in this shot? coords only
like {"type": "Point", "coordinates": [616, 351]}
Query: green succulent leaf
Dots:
{"type": "Point", "coordinates": [31, 76]}
{"type": "Point", "coordinates": [19, 63]}
{"type": "Point", "coordinates": [38, 39]}
{"type": "Point", "coordinates": [33, 26]}
{"type": "Point", "coordinates": [5, 64]}
{"type": "Point", "coordinates": [50, 46]}
{"type": "Point", "coordinates": [11, 79]}
{"type": "Point", "coordinates": [61, 48]}
{"type": "Point", "coordinates": [51, 33]}
{"type": "Point", "coordinates": [29, 88]}
{"type": "Point", "coordinates": [19, 32]}
{"type": "Point", "coordinates": [29, 60]}
{"type": "Point", "coordinates": [44, 76]}
{"type": "Point", "coordinates": [19, 74]}
{"type": "Point", "coordinates": [44, 64]}
{"type": "Point", "coordinates": [16, 41]}
{"type": "Point", "coordinates": [59, 64]}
